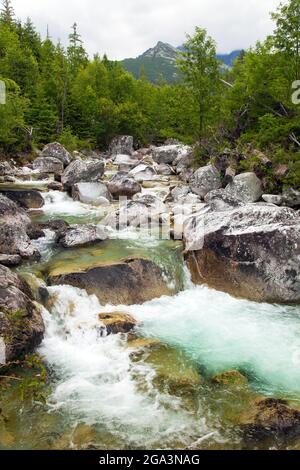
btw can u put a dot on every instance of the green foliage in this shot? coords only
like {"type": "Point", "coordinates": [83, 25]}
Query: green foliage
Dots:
{"type": "Point", "coordinates": [201, 72]}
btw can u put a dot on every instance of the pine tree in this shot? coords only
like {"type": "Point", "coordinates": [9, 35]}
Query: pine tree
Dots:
{"type": "Point", "coordinates": [76, 53]}
{"type": "Point", "coordinates": [7, 14]}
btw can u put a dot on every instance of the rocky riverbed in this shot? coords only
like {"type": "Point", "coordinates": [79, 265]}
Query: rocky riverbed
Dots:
{"type": "Point", "coordinates": [128, 303]}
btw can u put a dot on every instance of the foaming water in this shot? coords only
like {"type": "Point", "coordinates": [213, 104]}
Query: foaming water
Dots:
{"type": "Point", "coordinates": [61, 204]}
{"type": "Point", "coordinates": [97, 381]}
{"type": "Point", "coordinates": [221, 333]}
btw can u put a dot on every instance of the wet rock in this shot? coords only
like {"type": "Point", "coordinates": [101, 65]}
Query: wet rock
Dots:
{"type": "Point", "coordinates": [123, 185]}
{"type": "Point", "coordinates": [175, 373]}
{"type": "Point", "coordinates": [21, 323]}
{"type": "Point", "coordinates": [79, 171]}
{"type": "Point", "coordinates": [230, 378]}
{"type": "Point", "coordinates": [204, 180]}
{"type": "Point", "coordinates": [132, 281]}
{"type": "Point", "coordinates": [10, 260]}
{"type": "Point", "coordinates": [291, 198]}
{"type": "Point", "coordinates": [91, 193]}
{"type": "Point", "coordinates": [122, 144]}
{"type": "Point", "coordinates": [117, 322]}
{"type": "Point", "coordinates": [58, 226]}
{"type": "Point", "coordinates": [81, 235]}
{"type": "Point", "coordinates": [246, 187]}
{"type": "Point", "coordinates": [48, 165]}
{"type": "Point", "coordinates": [270, 416]}
{"type": "Point", "coordinates": [13, 230]}
{"type": "Point", "coordinates": [26, 198]}
{"type": "Point", "coordinates": [251, 251]}
{"type": "Point", "coordinates": [56, 150]}
{"type": "Point", "coordinates": [55, 186]}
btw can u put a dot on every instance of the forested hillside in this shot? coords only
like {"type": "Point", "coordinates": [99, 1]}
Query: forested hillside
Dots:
{"type": "Point", "coordinates": [58, 93]}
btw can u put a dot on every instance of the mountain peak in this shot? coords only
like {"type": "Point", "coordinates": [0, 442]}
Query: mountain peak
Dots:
{"type": "Point", "coordinates": [162, 50]}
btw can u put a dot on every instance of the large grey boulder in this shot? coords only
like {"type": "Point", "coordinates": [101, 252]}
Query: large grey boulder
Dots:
{"type": "Point", "coordinates": [26, 198]}
{"type": "Point", "coordinates": [246, 186]}
{"type": "Point", "coordinates": [14, 223]}
{"type": "Point", "coordinates": [251, 251]}
{"type": "Point", "coordinates": [169, 153]}
{"type": "Point", "coordinates": [21, 323]}
{"type": "Point", "coordinates": [204, 180]}
{"type": "Point", "coordinates": [48, 165]}
{"type": "Point", "coordinates": [80, 235]}
{"type": "Point", "coordinates": [122, 184]}
{"type": "Point", "coordinates": [56, 150]}
{"type": "Point", "coordinates": [79, 171]}
{"type": "Point", "coordinates": [122, 144]}
{"type": "Point", "coordinates": [91, 193]}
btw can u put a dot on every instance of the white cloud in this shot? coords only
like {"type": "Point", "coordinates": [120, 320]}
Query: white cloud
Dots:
{"type": "Point", "coordinates": [126, 28]}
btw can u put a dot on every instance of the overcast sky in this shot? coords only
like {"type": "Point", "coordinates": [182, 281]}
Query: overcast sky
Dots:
{"type": "Point", "coordinates": [126, 28]}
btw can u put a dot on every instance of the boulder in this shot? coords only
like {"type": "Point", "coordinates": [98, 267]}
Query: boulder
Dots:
{"type": "Point", "coordinates": [136, 213]}
{"type": "Point", "coordinates": [122, 144]}
{"type": "Point", "coordinates": [79, 171]}
{"type": "Point", "coordinates": [220, 200]}
{"type": "Point", "coordinates": [204, 180]}
{"type": "Point", "coordinates": [26, 198]}
{"type": "Point", "coordinates": [123, 184]}
{"type": "Point", "coordinates": [272, 199]}
{"type": "Point", "coordinates": [48, 165]}
{"type": "Point", "coordinates": [132, 281]}
{"type": "Point", "coordinates": [10, 260]}
{"type": "Point", "coordinates": [143, 173]}
{"type": "Point", "coordinates": [13, 230]}
{"type": "Point", "coordinates": [117, 322]}
{"type": "Point", "coordinates": [91, 193]}
{"type": "Point", "coordinates": [169, 153]}
{"type": "Point", "coordinates": [291, 198]}
{"type": "Point", "coordinates": [21, 323]}
{"type": "Point", "coordinates": [251, 251]}
{"type": "Point", "coordinates": [56, 150]}
{"type": "Point", "coordinates": [270, 416]}
{"type": "Point", "coordinates": [246, 186]}
{"type": "Point", "coordinates": [126, 161]}
{"type": "Point", "coordinates": [80, 235]}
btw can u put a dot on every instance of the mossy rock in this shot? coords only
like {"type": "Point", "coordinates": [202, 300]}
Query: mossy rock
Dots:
{"type": "Point", "coordinates": [117, 322]}
{"type": "Point", "coordinates": [175, 373]}
{"type": "Point", "coordinates": [230, 378]}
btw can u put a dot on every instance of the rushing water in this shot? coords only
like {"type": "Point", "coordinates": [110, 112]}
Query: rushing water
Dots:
{"type": "Point", "coordinates": [119, 392]}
